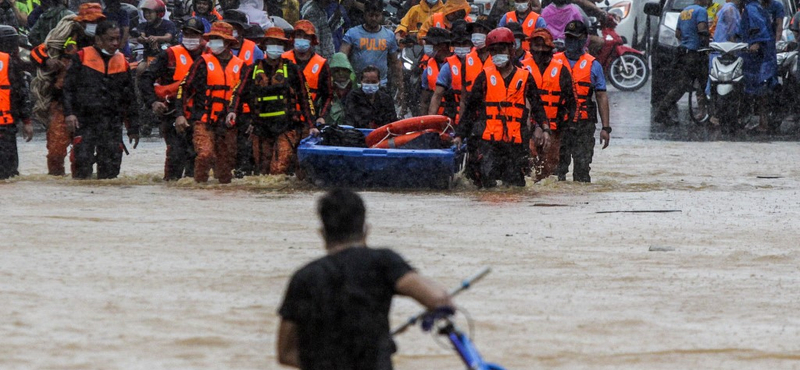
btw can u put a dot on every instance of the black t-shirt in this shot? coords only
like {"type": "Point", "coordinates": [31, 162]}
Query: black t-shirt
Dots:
{"type": "Point", "coordinates": [340, 304]}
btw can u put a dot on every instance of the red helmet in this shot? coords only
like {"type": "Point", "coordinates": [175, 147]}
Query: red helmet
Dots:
{"type": "Point", "coordinates": [500, 35]}
{"type": "Point", "coordinates": [154, 5]}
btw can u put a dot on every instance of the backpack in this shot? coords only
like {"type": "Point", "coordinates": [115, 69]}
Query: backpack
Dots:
{"type": "Point", "coordinates": [333, 135]}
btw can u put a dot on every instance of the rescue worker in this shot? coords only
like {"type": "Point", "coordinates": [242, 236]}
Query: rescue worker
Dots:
{"type": "Point", "coordinates": [497, 115]}
{"type": "Point", "coordinates": [15, 105]}
{"type": "Point", "coordinates": [437, 48]}
{"type": "Point", "coordinates": [98, 92]}
{"type": "Point", "coordinates": [452, 10]}
{"type": "Point", "coordinates": [520, 41]}
{"type": "Point", "coordinates": [274, 88]}
{"type": "Point", "coordinates": [692, 31]}
{"type": "Point", "coordinates": [477, 59]}
{"type": "Point", "coordinates": [53, 59]}
{"type": "Point", "coordinates": [577, 137]}
{"type": "Point", "coordinates": [523, 14]}
{"type": "Point", "coordinates": [159, 86]}
{"type": "Point", "coordinates": [204, 95]}
{"type": "Point", "coordinates": [450, 80]}
{"type": "Point", "coordinates": [316, 72]}
{"type": "Point", "coordinates": [415, 17]}
{"type": "Point", "coordinates": [555, 87]}
{"type": "Point", "coordinates": [343, 83]}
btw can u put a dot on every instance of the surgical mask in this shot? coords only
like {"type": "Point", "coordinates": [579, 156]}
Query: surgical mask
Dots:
{"type": "Point", "coordinates": [90, 28]}
{"type": "Point", "coordinates": [274, 51]}
{"type": "Point", "coordinates": [217, 46]}
{"type": "Point", "coordinates": [432, 2]}
{"type": "Point", "coordinates": [574, 47]}
{"type": "Point", "coordinates": [191, 43]}
{"type": "Point", "coordinates": [500, 60]}
{"type": "Point", "coordinates": [428, 49]}
{"type": "Point", "coordinates": [479, 40]}
{"type": "Point", "coordinates": [235, 34]}
{"type": "Point", "coordinates": [521, 7]}
{"type": "Point", "coordinates": [370, 89]}
{"type": "Point", "coordinates": [106, 52]}
{"type": "Point", "coordinates": [342, 85]}
{"type": "Point", "coordinates": [517, 43]}
{"type": "Point", "coordinates": [302, 45]}
{"type": "Point", "coordinates": [461, 51]}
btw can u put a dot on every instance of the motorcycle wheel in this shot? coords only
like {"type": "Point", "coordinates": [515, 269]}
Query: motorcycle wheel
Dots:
{"type": "Point", "coordinates": [631, 78]}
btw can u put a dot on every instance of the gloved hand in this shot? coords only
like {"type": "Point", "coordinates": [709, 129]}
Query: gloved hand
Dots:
{"type": "Point", "coordinates": [431, 317]}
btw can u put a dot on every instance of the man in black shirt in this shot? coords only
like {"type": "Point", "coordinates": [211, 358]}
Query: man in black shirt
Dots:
{"type": "Point", "coordinates": [335, 314]}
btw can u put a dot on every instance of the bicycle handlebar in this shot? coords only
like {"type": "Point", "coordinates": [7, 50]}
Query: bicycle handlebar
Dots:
{"type": "Point", "coordinates": [466, 284]}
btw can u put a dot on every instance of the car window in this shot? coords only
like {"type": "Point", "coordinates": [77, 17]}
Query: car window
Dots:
{"type": "Point", "coordinates": [679, 5]}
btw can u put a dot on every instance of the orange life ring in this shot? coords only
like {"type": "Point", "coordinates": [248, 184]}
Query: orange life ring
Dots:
{"type": "Point", "coordinates": [405, 126]}
{"type": "Point", "coordinates": [396, 142]}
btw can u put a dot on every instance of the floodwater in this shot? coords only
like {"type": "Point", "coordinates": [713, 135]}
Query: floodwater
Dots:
{"type": "Point", "coordinates": [135, 273]}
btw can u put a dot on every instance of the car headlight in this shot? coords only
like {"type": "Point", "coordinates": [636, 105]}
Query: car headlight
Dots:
{"type": "Point", "coordinates": [620, 9]}
{"type": "Point", "coordinates": [666, 36]}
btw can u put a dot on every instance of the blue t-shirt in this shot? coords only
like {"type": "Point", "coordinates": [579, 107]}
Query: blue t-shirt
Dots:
{"type": "Point", "coordinates": [445, 78]}
{"type": "Point", "coordinates": [370, 48]}
{"type": "Point", "coordinates": [688, 20]}
{"type": "Point", "coordinates": [540, 23]}
{"type": "Point", "coordinates": [597, 76]}
{"type": "Point", "coordinates": [776, 13]}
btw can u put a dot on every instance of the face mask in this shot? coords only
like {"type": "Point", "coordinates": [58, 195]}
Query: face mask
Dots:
{"type": "Point", "coordinates": [302, 45]}
{"type": "Point", "coordinates": [341, 85]}
{"type": "Point", "coordinates": [235, 34]}
{"type": "Point", "coordinates": [461, 51]}
{"type": "Point", "coordinates": [542, 56]}
{"type": "Point", "coordinates": [500, 60]}
{"type": "Point", "coordinates": [217, 46]}
{"type": "Point", "coordinates": [517, 43]}
{"type": "Point", "coordinates": [370, 89]}
{"type": "Point", "coordinates": [574, 47]}
{"type": "Point", "coordinates": [191, 43]}
{"type": "Point", "coordinates": [428, 49]}
{"type": "Point", "coordinates": [521, 7]}
{"type": "Point", "coordinates": [106, 52]}
{"type": "Point", "coordinates": [479, 40]}
{"type": "Point", "coordinates": [432, 2]}
{"type": "Point", "coordinates": [274, 51]}
{"type": "Point", "coordinates": [90, 28]}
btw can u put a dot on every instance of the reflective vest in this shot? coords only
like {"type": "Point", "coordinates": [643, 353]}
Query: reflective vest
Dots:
{"type": "Point", "coordinates": [311, 72]}
{"type": "Point", "coordinates": [247, 52]}
{"type": "Point", "coordinates": [5, 91]}
{"type": "Point", "coordinates": [582, 83]}
{"type": "Point", "coordinates": [183, 62]}
{"type": "Point", "coordinates": [549, 85]}
{"type": "Point", "coordinates": [530, 21]}
{"type": "Point", "coordinates": [474, 67]}
{"type": "Point", "coordinates": [219, 86]}
{"type": "Point", "coordinates": [505, 106]}
{"type": "Point", "coordinates": [90, 58]}
{"type": "Point", "coordinates": [271, 93]}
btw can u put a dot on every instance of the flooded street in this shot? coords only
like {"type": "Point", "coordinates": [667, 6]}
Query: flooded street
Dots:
{"type": "Point", "coordinates": [135, 273]}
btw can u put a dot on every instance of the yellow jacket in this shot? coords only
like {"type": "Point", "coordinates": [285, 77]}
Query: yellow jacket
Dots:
{"type": "Point", "coordinates": [452, 6]}
{"type": "Point", "coordinates": [416, 16]}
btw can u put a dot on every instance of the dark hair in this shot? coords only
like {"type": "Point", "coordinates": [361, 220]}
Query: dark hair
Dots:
{"type": "Point", "coordinates": [371, 68]}
{"type": "Point", "coordinates": [342, 213]}
{"type": "Point", "coordinates": [104, 26]}
{"type": "Point", "coordinates": [371, 6]}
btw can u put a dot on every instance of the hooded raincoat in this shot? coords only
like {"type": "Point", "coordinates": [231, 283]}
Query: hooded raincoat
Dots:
{"type": "Point", "coordinates": [452, 6]}
{"type": "Point", "coordinates": [337, 111]}
{"type": "Point", "coordinates": [760, 68]}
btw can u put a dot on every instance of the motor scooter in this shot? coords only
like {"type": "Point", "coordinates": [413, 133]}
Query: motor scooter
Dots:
{"type": "Point", "coordinates": [785, 100]}
{"type": "Point", "coordinates": [626, 68]}
{"type": "Point", "coordinates": [727, 86]}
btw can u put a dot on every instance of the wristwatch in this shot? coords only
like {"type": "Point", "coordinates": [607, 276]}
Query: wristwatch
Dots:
{"type": "Point", "coordinates": [607, 129]}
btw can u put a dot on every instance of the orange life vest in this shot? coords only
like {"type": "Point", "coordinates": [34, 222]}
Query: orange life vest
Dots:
{"type": "Point", "coordinates": [183, 61]}
{"type": "Point", "coordinates": [247, 52]}
{"type": "Point", "coordinates": [582, 83]}
{"type": "Point", "coordinates": [528, 25]}
{"type": "Point", "coordinates": [90, 58]}
{"type": "Point", "coordinates": [505, 106]}
{"type": "Point", "coordinates": [439, 20]}
{"type": "Point", "coordinates": [549, 85]}
{"type": "Point", "coordinates": [311, 72]}
{"type": "Point", "coordinates": [219, 85]}
{"type": "Point", "coordinates": [474, 67]}
{"type": "Point", "coordinates": [213, 12]}
{"type": "Point", "coordinates": [456, 83]}
{"type": "Point", "coordinates": [431, 74]}
{"type": "Point", "coordinates": [5, 91]}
